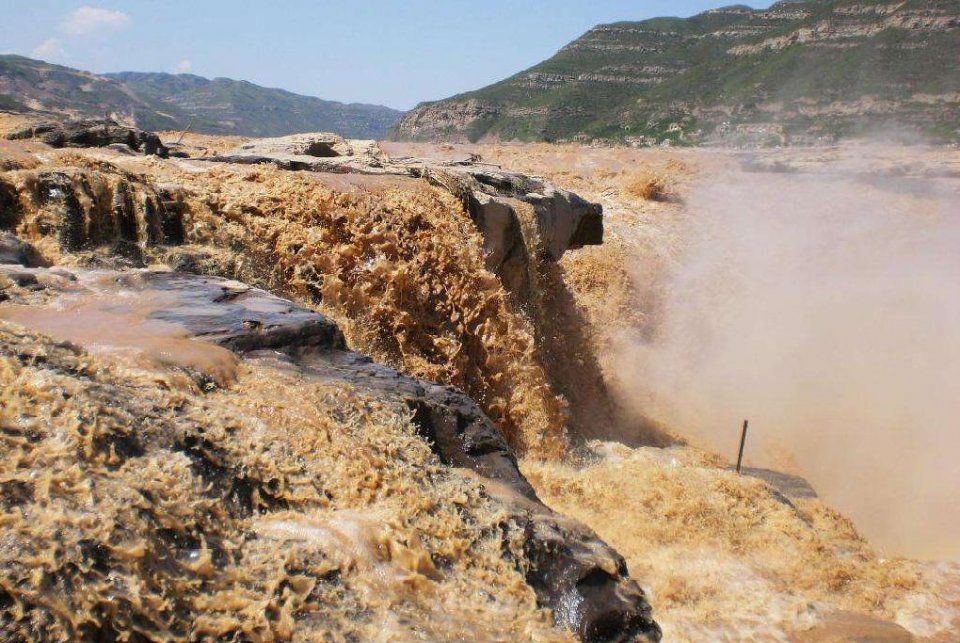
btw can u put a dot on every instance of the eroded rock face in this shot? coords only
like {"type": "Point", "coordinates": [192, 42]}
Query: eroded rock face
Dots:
{"type": "Point", "coordinates": [503, 242]}
{"type": "Point", "coordinates": [320, 145]}
{"type": "Point", "coordinates": [565, 221]}
{"type": "Point", "coordinates": [445, 121]}
{"type": "Point", "coordinates": [93, 133]}
{"type": "Point", "coordinates": [315, 152]}
{"type": "Point", "coordinates": [86, 209]}
{"type": "Point", "coordinates": [490, 194]}
{"type": "Point", "coordinates": [572, 571]}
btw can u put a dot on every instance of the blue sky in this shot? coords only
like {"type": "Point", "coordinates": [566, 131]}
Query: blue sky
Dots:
{"type": "Point", "coordinates": [390, 52]}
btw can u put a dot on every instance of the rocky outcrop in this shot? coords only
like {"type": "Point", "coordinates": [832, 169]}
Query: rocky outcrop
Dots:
{"type": "Point", "coordinates": [316, 152]}
{"type": "Point", "coordinates": [445, 120]}
{"type": "Point", "coordinates": [15, 251]}
{"type": "Point", "coordinates": [575, 574]}
{"type": "Point", "coordinates": [92, 133]}
{"type": "Point", "coordinates": [315, 145]}
{"type": "Point", "coordinates": [563, 220]}
{"type": "Point", "coordinates": [89, 209]}
{"type": "Point", "coordinates": [493, 197]}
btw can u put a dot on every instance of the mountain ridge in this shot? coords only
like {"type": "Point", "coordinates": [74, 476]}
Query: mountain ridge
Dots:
{"type": "Point", "coordinates": [158, 100]}
{"type": "Point", "coordinates": [802, 72]}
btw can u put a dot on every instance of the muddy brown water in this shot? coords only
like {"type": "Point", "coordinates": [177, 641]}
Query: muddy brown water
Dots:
{"type": "Point", "coordinates": [106, 319]}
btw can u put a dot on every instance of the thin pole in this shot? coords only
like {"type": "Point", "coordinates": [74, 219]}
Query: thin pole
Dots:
{"type": "Point", "coordinates": [183, 133]}
{"type": "Point", "coordinates": [743, 442]}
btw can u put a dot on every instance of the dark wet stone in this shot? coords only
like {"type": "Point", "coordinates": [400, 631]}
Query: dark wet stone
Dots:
{"type": "Point", "coordinates": [789, 485]}
{"type": "Point", "coordinates": [9, 206]}
{"type": "Point", "coordinates": [93, 133]}
{"type": "Point", "coordinates": [574, 573]}
{"type": "Point", "coordinates": [12, 250]}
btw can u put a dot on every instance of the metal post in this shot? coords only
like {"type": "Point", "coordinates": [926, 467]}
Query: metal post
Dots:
{"type": "Point", "coordinates": [743, 441]}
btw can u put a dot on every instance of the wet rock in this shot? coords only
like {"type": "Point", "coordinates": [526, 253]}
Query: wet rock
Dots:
{"type": "Point", "coordinates": [571, 570]}
{"type": "Point", "coordinates": [564, 220]}
{"type": "Point", "coordinates": [55, 192]}
{"type": "Point", "coordinates": [9, 206]}
{"type": "Point", "coordinates": [787, 484]}
{"type": "Point", "coordinates": [172, 207]}
{"type": "Point", "coordinates": [195, 260]}
{"type": "Point", "coordinates": [14, 251]}
{"type": "Point", "coordinates": [85, 209]}
{"type": "Point", "coordinates": [93, 133]}
{"type": "Point", "coordinates": [232, 314]}
{"type": "Point", "coordinates": [584, 581]}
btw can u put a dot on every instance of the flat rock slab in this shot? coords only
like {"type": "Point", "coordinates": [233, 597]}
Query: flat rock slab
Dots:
{"type": "Point", "coordinates": [232, 314]}
{"type": "Point", "coordinates": [788, 484]}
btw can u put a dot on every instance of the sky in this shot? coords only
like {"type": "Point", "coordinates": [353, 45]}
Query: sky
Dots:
{"type": "Point", "coordinates": [388, 52]}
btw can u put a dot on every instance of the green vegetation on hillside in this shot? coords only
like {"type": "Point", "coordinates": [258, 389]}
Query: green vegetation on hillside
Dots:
{"type": "Point", "coordinates": [799, 71]}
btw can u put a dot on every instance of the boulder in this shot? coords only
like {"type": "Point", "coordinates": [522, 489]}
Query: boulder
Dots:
{"type": "Point", "coordinates": [93, 133]}
{"type": "Point", "coordinates": [12, 250]}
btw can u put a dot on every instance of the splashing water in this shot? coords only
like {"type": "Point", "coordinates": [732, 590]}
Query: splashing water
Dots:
{"type": "Point", "coordinates": [824, 309]}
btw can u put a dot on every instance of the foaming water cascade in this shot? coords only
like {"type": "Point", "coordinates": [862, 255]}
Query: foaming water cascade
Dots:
{"type": "Point", "coordinates": [819, 308]}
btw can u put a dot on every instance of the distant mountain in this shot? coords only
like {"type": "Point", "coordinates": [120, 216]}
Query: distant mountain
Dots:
{"type": "Point", "coordinates": [801, 71]}
{"type": "Point", "coordinates": [32, 85]}
{"type": "Point", "coordinates": [225, 106]}
{"type": "Point", "coordinates": [157, 101]}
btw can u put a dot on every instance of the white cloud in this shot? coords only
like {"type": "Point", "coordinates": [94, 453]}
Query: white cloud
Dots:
{"type": "Point", "coordinates": [184, 66]}
{"type": "Point", "coordinates": [49, 49]}
{"type": "Point", "coordinates": [89, 20]}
